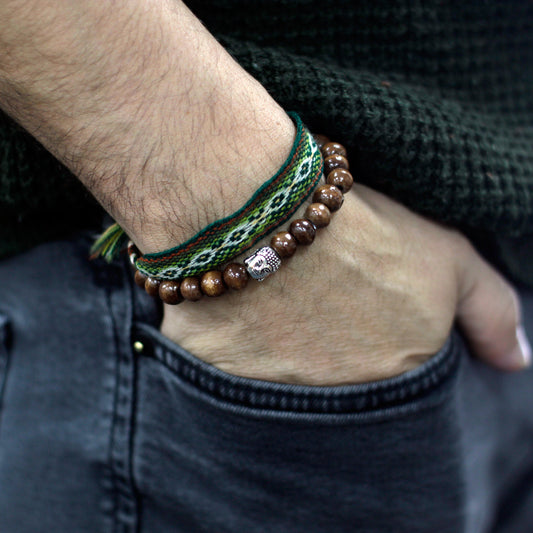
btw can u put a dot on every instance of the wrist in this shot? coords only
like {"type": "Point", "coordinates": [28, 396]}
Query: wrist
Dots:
{"type": "Point", "coordinates": [214, 176]}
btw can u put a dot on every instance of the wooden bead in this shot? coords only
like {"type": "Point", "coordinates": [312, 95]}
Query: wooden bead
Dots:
{"type": "Point", "coordinates": [318, 214]}
{"type": "Point", "coordinates": [169, 292]}
{"type": "Point", "coordinates": [303, 231]}
{"type": "Point", "coordinates": [321, 140]}
{"type": "Point", "coordinates": [335, 161]}
{"type": "Point", "coordinates": [235, 276]}
{"type": "Point", "coordinates": [333, 148]}
{"type": "Point", "coordinates": [341, 178]}
{"type": "Point", "coordinates": [284, 244]}
{"type": "Point", "coordinates": [330, 196]}
{"type": "Point", "coordinates": [140, 279]}
{"type": "Point", "coordinates": [190, 289]}
{"type": "Point", "coordinates": [212, 283]}
{"type": "Point", "coordinates": [151, 286]}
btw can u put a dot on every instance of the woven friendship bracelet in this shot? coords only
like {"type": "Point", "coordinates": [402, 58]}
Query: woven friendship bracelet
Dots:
{"type": "Point", "coordinates": [327, 199]}
{"type": "Point", "coordinates": [271, 205]}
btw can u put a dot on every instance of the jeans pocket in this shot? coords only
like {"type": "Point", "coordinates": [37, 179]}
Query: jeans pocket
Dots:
{"type": "Point", "coordinates": [218, 452]}
{"type": "Point", "coordinates": [406, 391]}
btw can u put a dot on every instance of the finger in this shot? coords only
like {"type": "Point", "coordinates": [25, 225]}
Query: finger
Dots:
{"type": "Point", "coordinates": [489, 314]}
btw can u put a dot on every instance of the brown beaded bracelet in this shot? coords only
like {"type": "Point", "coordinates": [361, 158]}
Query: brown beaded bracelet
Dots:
{"type": "Point", "coordinates": [327, 199]}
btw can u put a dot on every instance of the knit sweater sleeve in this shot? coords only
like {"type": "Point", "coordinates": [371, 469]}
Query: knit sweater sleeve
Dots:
{"type": "Point", "coordinates": [433, 101]}
{"type": "Point", "coordinates": [441, 156]}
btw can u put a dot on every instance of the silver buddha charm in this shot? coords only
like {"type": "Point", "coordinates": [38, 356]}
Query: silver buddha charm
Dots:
{"type": "Point", "coordinates": [262, 263]}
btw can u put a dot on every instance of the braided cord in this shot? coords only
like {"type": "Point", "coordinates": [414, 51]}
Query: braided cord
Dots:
{"type": "Point", "coordinates": [270, 206]}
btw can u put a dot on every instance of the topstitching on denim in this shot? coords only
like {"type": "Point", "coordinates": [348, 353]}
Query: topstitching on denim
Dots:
{"type": "Point", "coordinates": [244, 392]}
{"type": "Point", "coordinates": [4, 357]}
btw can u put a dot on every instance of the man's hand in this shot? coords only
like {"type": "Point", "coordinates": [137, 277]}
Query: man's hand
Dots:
{"type": "Point", "coordinates": [374, 296]}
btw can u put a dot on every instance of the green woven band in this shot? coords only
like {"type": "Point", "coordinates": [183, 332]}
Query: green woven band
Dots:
{"type": "Point", "coordinates": [270, 206]}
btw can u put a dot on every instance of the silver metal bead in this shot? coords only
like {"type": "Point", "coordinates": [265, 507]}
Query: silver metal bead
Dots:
{"type": "Point", "coordinates": [262, 263]}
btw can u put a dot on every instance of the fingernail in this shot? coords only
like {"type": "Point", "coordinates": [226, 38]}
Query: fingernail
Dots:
{"type": "Point", "coordinates": [525, 347]}
{"type": "Point", "coordinates": [520, 357]}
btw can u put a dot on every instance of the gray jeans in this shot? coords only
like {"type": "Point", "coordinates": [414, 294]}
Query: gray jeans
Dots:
{"type": "Point", "coordinates": [98, 437]}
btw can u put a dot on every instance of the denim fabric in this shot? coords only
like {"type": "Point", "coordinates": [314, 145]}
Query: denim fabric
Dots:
{"type": "Point", "coordinates": [97, 437]}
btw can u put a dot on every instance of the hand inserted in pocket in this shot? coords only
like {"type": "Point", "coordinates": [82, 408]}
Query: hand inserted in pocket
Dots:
{"type": "Point", "coordinates": [375, 296]}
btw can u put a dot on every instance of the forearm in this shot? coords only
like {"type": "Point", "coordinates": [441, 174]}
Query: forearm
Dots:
{"type": "Point", "coordinates": [144, 106]}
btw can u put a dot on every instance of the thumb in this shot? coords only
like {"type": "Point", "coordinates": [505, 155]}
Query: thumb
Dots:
{"type": "Point", "coordinates": [489, 313]}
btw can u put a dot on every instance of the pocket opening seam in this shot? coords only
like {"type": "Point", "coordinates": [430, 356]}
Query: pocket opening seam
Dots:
{"type": "Point", "coordinates": [246, 392]}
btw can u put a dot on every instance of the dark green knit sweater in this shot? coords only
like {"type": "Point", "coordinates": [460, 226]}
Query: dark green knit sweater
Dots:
{"type": "Point", "coordinates": [434, 100]}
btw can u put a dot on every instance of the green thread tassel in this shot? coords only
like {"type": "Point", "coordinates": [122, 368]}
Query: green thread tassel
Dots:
{"type": "Point", "coordinates": [110, 243]}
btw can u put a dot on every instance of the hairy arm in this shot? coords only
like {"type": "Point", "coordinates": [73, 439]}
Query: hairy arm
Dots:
{"type": "Point", "coordinates": [144, 106]}
{"type": "Point", "coordinates": [169, 134]}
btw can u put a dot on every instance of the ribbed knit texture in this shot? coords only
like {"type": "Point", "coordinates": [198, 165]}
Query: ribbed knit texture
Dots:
{"type": "Point", "coordinates": [433, 99]}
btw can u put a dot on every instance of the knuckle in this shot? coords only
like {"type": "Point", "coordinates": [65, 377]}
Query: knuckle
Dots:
{"type": "Point", "coordinates": [461, 244]}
